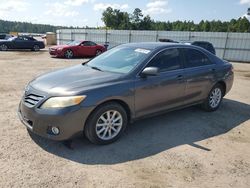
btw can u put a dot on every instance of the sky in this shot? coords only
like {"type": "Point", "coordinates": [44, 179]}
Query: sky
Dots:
{"type": "Point", "coordinates": [89, 12]}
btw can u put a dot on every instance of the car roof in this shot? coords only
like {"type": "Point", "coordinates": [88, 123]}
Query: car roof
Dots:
{"type": "Point", "coordinates": [154, 45]}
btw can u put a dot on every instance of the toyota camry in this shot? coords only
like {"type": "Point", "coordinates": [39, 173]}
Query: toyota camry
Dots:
{"type": "Point", "coordinates": [129, 82]}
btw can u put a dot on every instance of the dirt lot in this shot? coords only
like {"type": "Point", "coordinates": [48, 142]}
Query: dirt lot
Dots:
{"type": "Point", "coordinates": [187, 148]}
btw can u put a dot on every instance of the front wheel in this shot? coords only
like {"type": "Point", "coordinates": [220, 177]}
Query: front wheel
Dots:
{"type": "Point", "coordinates": [106, 124]}
{"type": "Point", "coordinates": [214, 98]}
{"type": "Point", "coordinates": [69, 54]}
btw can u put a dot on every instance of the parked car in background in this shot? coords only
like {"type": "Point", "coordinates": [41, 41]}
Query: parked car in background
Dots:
{"type": "Point", "coordinates": [126, 83]}
{"type": "Point", "coordinates": [77, 49]}
{"type": "Point", "coordinates": [21, 42]}
{"type": "Point", "coordinates": [204, 44]}
{"type": "Point", "coordinates": [4, 36]}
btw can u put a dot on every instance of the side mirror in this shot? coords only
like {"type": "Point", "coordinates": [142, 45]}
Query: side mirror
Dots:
{"type": "Point", "coordinates": [150, 71]}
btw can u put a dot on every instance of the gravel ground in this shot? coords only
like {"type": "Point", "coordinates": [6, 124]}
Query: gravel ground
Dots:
{"type": "Point", "coordinates": [186, 148]}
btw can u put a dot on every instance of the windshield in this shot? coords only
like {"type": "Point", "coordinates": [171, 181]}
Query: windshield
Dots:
{"type": "Point", "coordinates": [119, 59]}
{"type": "Point", "coordinates": [74, 43]}
{"type": "Point", "coordinates": [12, 38]}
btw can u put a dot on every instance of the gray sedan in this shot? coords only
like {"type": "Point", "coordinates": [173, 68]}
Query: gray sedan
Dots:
{"type": "Point", "coordinates": [126, 83]}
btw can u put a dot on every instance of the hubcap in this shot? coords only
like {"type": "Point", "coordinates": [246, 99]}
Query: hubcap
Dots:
{"type": "Point", "coordinates": [69, 54]}
{"type": "Point", "coordinates": [36, 48]}
{"type": "Point", "coordinates": [109, 125]}
{"type": "Point", "coordinates": [215, 98]}
{"type": "Point", "coordinates": [98, 52]}
{"type": "Point", "coordinates": [4, 47]}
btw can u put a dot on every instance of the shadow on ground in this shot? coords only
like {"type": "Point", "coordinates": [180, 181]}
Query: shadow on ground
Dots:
{"type": "Point", "coordinates": [148, 137]}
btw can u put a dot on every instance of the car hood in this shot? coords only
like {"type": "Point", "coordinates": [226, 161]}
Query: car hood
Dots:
{"type": "Point", "coordinates": [59, 46]}
{"type": "Point", "coordinates": [73, 80]}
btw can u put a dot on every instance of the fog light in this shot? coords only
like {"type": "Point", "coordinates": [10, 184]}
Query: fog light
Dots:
{"type": "Point", "coordinates": [55, 130]}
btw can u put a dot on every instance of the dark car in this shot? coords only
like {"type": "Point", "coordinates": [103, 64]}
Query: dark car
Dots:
{"type": "Point", "coordinates": [21, 42]}
{"type": "Point", "coordinates": [124, 84]}
{"type": "Point", "coordinates": [77, 49]}
{"type": "Point", "coordinates": [5, 36]}
{"type": "Point", "coordinates": [204, 44]}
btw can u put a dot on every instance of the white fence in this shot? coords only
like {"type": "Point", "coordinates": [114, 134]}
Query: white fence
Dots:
{"type": "Point", "coordinates": [229, 46]}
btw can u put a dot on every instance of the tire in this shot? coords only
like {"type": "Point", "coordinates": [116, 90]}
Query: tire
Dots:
{"type": "Point", "coordinates": [3, 47]}
{"type": "Point", "coordinates": [98, 52]}
{"type": "Point", "coordinates": [99, 132]}
{"type": "Point", "coordinates": [36, 48]}
{"type": "Point", "coordinates": [69, 54]}
{"type": "Point", "coordinates": [214, 99]}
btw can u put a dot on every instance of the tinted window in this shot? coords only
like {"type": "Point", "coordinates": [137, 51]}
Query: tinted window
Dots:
{"type": "Point", "coordinates": [167, 60]}
{"type": "Point", "coordinates": [195, 58]}
{"type": "Point", "coordinates": [89, 43]}
{"type": "Point", "coordinates": [2, 36]}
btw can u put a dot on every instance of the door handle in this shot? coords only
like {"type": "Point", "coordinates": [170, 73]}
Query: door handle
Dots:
{"type": "Point", "coordinates": [179, 77]}
{"type": "Point", "coordinates": [212, 69]}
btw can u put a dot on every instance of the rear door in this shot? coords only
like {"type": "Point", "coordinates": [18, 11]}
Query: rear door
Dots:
{"type": "Point", "coordinates": [199, 73]}
{"type": "Point", "coordinates": [164, 91]}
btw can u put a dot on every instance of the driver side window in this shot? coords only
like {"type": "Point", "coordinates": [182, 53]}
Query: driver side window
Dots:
{"type": "Point", "coordinates": [167, 60]}
{"type": "Point", "coordinates": [88, 43]}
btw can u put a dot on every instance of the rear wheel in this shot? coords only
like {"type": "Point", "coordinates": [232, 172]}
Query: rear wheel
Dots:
{"type": "Point", "coordinates": [98, 52]}
{"type": "Point", "coordinates": [214, 98]}
{"type": "Point", "coordinates": [3, 47]}
{"type": "Point", "coordinates": [69, 54]}
{"type": "Point", "coordinates": [36, 48]}
{"type": "Point", "coordinates": [106, 124]}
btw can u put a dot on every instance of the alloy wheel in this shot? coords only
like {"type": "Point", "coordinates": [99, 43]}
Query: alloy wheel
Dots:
{"type": "Point", "coordinates": [36, 48]}
{"type": "Point", "coordinates": [69, 54]}
{"type": "Point", "coordinates": [98, 52]}
{"type": "Point", "coordinates": [215, 98]}
{"type": "Point", "coordinates": [109, 125]}
{"type": "Point", "coordinates": [3, 47]}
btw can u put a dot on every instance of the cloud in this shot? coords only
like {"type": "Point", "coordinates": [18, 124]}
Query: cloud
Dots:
{"type": "Point", "coordinates": [13, 5]}
{"type": "Point", "coordinates": [245, 2]}
{"type": "Point", "coordinates": [157, 7]}
{"type": "Point", "coordinates": [58, 10]}
{"type": "Point", "coordinates": [75, 2]}
{"type": "Point", "coordinates": [104, 6]}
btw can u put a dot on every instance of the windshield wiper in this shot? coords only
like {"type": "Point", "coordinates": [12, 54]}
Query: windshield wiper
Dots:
{"type": "Point", "coordinates": [96, 68]}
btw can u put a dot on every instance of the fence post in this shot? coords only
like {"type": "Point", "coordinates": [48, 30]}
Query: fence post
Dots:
{"type": "Point", "coordinates": [86, 33]}
{"type": "Point", "coordinates": [71, 35]}
{"type": "Point", "coordinates": [189, 36]}
{"type": "Point", "coordinates": [157, 36]}
{"type": "Point", "coordinates": [225, 47]}
{"type": "Point", "coordinates": [130, 36]}
{"type": "Point", "coordinates": [106, 36]}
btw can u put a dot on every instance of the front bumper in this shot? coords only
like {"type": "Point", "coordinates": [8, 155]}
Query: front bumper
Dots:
{"type": "Point", "coordinates": [70, 121]}
{"type": "Point", "coordinates": [56, 53]}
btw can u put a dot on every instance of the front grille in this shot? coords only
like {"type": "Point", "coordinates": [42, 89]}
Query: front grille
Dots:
{"type": "Point", "coordinates": [52, 50]}
{"type": "Point", "coordinates": [32, 99]}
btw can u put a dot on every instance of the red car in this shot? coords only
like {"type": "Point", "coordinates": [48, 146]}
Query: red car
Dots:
{"type": "Point", "coordinates": [77, 49]}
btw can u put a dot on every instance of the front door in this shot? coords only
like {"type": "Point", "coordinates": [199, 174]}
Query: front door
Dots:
{"type": "Point", "coordinates": [164, 91]}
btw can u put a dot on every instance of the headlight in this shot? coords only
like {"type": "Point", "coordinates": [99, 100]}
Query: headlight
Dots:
{"type": "Point", "coordinates": [61, 102]}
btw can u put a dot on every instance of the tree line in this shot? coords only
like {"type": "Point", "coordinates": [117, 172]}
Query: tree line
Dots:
{"type": "Point", "coordinates": [25, 27]}
{"type": "Point", "coordinates": [116, 19]}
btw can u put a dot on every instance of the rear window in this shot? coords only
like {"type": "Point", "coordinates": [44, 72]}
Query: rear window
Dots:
{"type": "Point", "coordinates": [195, 58]}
